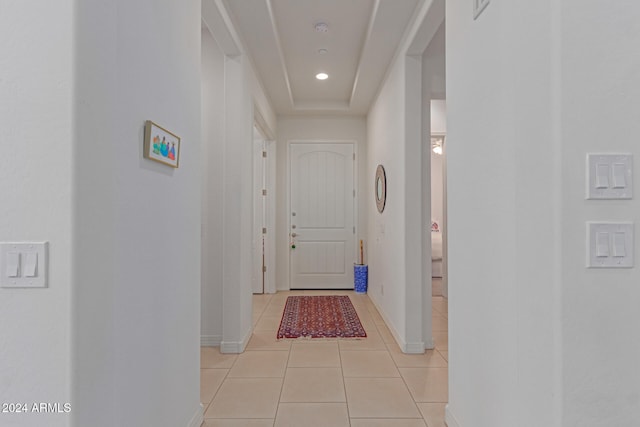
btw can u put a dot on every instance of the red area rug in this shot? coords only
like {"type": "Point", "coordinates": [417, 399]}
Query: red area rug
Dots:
{"type": "Point", "coordinates": [320, 317]}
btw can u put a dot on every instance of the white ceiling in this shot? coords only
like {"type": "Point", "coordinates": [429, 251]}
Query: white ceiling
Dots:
{"type": "Point", "coordinates": [361, 41]}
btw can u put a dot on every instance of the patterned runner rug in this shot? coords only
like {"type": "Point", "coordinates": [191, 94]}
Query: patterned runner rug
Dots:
{"type": "Point", "coordinates": [320, 317]}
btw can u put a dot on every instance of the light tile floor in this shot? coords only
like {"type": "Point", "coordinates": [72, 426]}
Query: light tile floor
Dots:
{"type": "Point", "coordinates": [330, 382]}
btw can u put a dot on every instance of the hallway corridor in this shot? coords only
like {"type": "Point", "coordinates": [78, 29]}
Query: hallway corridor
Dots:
{"type": "Point", "coordinates": [347, 382]}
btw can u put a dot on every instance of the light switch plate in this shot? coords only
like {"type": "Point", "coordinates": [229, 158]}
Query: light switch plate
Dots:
{"type": "Point", "coordinates": [610, 244]}
{"type": "Point", "coordinates": [33, 264]}
{"type": "Point", "coordinates": [609, 176]}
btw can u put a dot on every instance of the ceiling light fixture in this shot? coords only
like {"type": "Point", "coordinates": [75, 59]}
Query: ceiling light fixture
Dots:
{"type": "Point", "coordinates": [323, 51]}
{"type": "Point", "coordinates": [322, 27]}
{"type": "Point", "coordinates": [322, 76]}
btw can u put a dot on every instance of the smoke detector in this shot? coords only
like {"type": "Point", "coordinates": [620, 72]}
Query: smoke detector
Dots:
{"type": "Point", "coordinates": [322, 27]}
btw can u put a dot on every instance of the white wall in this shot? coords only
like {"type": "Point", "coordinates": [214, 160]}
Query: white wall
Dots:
{"type": "Point", "coordinates": [237, 204]}
{"type": "Point", "coordinates": [386, 246]}
{"type": "Point", "coordinates": [600, 312]}
{"type": "Point", "coordinates": [502, 217]}
{"type": "Point", "coordinates": [136, 219]}
{"type": "Point", "coordinates": [242, 103]}
{"type": "Point", "coordinates": [396, 245]}
{"type": "Point", "coordinates": [398, 129]}
{"type": "Point", "coordinates": [212, 189]}
{"type": "Point", "coordinates": [36, 173]}
{"type": "Point", "coordinates": [319, 128]}
{"type": "Point", "coordinates": [544, 331]}
{"type": "Point", "coordinates": [94, 258]}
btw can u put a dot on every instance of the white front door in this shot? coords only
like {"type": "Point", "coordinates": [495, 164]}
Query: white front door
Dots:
{"type": "Point", "coordinates": [322, 225]}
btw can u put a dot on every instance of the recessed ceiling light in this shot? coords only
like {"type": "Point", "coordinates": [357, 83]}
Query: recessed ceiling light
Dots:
{"type": "Point", "coordinates": [321, 27]}
{"type": "Point", "coordinates": [322, 76]}
{"type": "Point", "coordinates": [322, 51]}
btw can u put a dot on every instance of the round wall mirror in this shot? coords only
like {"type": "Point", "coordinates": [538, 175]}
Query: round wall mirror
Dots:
{"type": "Point", "coordinates": [380, 188]}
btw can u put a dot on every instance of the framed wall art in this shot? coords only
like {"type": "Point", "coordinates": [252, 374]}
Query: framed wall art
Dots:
{"type": "Point", "coordinates": [161, 145]}
{"type": "Point", "coordinates": [380, 188]}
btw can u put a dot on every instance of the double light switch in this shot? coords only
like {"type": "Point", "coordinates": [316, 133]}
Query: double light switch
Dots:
{"type": "Point", "coordinates": [611, 245]}
{"type": "Point", "coordinates": [610, 176]}
{"type": "Point", "coordinates": [23, 265]}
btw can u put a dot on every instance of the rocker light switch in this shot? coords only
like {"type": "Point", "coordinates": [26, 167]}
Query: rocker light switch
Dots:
{"type": "Point", "coordinates": [13, 264]}
{"type": "Point", "coordinates": [31, 264]}
{"type": "Point", "coordinates": [619, 175]}
{"type": "Point", "coordinates": [619, 244]}
{"type": "Point", "coordinates": [602, 244]}
{"type": "Point", "coordinates": [602, 176]}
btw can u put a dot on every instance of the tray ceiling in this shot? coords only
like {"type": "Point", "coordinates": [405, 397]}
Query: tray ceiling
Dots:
{"type": "Point", "coordinates": [288, 51]}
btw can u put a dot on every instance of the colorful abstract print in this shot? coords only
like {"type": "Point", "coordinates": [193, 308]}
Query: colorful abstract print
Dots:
{"type": "Point", "coordinates": [163, 149]}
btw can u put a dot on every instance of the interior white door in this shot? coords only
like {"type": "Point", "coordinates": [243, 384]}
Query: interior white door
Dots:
{"type": "Point", "coordinates": [322, 225]}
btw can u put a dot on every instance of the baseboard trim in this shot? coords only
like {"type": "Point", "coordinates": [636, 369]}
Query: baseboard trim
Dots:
{"type": "Point", "coordinates": [408, 348]}
{"type": "Point", "coordinates": [235, 347]}
{"type": "Point", "coordinates": [449, 419]}
{"type": "Point", "coordinates": [210, 340]}
{"type": "Point", "coordinates": [430, 344]}
{"type": "Point", "coordinates": [414, 348]}
{"type": "Point", "coordinates": [198, 417]}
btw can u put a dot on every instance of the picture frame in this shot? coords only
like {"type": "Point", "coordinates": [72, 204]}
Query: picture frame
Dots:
{"type": "Point", "coordinates": [161, 145]}
{"type": "Point", "coordinates": [380, 188]}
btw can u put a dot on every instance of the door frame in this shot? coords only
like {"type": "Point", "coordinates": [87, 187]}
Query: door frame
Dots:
{"type": "Point", "coordinates": [257, 262]}
{"type": "Point", "coordinates": [267, 168]}
{"type": "Point", "coordinates": [356, 199]}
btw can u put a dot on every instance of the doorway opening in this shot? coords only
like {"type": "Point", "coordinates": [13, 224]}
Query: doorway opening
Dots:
{"type": "Point", "coordinates": [438, 198]}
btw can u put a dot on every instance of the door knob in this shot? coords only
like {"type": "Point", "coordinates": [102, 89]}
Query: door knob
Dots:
{"type": "Point", "coordinates": [294, 234]}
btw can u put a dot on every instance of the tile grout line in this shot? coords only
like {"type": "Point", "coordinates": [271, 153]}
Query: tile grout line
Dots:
{"type": "Point", "coordinates": [344, 384]}
{"type": "Point", "coordinates": [217, 390]}
{"type": "Point", "coordinates": [286, 368]}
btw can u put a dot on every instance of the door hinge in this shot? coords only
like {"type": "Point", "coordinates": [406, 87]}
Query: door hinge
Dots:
{"type": "Point", "coordinates": [354, 229]}
{"type": "Point", "coordinates": [354, 156]}
{"type": "Point", "coordinates": [264, 230]}
{"type": "Point", "coordinates": [264, 192]}
{"type": "Point", "coordinates": [264, 268]}
{"type": "Point", "coordinates": [264, 154]}
{"type": "Point", "coordinates": [354, 193]}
